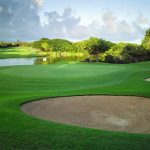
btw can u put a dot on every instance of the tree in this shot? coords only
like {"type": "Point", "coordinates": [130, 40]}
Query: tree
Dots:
{"type": "Point", "coordinates": [146, 40]}
{"type": "Point", "coordinates": [115, 53]}
{"type": "Point", "coordinates": [96, 46]}
{"type": "Point", "coordinates": [57, 45]}
{"type": "Point", "coordinates": [45, 46]}
{"type": "Point", "coordinates": [61, 45]}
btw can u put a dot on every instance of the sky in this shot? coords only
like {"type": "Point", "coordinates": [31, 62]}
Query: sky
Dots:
{"type": "Point", "coordinates": [114, 20]}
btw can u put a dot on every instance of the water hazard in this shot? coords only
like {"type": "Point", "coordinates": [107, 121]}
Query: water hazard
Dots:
{"type": "Point", "coordinates": [38, 60]}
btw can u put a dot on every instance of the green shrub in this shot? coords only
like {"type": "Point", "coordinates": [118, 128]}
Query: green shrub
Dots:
{"type": "Point", "coordinates": [146, 40]}
{"type": "Point", "coordinates": [57, 45]}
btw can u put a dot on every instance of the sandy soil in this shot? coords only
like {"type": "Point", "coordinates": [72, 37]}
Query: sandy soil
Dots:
{"type": "Point", "coordinates": [117, 113]}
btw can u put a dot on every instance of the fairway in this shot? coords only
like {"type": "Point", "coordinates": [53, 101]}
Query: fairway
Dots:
{"type": "Point", "coordinates": [20, 84]}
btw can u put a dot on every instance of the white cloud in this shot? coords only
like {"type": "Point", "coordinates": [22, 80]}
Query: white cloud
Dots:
{"type": "Point", "coordinates": [115, 29]}
{"type": "Point", "coordinates": [142, 20]}
{"type": "Point", "coordinates": [21, 20]}
{"type": "Point", "coordinates": [109, 21]}
{"type": "Point", "coordinates": [111, 28]}
{"type": "Point", "coordinates": [1, 8]}
{"type": "Point", "coordinates": [39, 2]}
{"type": "Point", "coordinates": [63, 25]}
{"type": "Point", "coordinates": [124, 28]}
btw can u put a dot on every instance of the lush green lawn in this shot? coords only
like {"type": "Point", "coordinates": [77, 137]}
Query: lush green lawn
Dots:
{"type": "Point", "coordinates": [19, 84]}
{"type": "Point", "coordinates": [16, 52]}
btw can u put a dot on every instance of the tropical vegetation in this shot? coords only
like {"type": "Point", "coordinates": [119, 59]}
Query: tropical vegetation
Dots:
{"type": "Point", "coordinates": [97, 48]}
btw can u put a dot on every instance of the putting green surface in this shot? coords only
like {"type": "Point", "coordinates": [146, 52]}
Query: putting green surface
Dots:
{"type": "Point", "coordinates": [19, 84]}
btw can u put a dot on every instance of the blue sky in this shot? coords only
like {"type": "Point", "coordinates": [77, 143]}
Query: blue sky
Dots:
{"type": "Point", "coordinates": [115, 20]}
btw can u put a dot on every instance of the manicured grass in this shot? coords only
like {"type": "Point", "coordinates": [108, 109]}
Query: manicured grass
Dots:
{"type": "Point", "coordinates": [19, 84]}
{"type": "Point", "coordinates": [19, 52]}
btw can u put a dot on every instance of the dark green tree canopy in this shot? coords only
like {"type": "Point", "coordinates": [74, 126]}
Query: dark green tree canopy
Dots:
{"type": "Point", "coordinates": [94, 45]}
{"type": "Point", "coordinates": [57, 45]}
{"type": "Point", "coordinates": [148, 32]}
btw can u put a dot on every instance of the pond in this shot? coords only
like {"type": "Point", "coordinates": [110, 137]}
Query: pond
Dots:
{"type": "Point", "coordinates": [39, 60]}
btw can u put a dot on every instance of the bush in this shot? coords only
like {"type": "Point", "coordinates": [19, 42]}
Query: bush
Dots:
{"type": "Point", "coordinates": [57, 45]}
{"type": "Point", "coordinates": [12, 44]}
{"type": "Point", "coordinates": [126, 53]}
{"type": "Point", "coordinates": [109, 59]}
{"type": "Point", "coordinates": [146, 40]}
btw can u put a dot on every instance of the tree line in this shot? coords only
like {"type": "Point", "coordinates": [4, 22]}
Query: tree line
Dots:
{"type": "Point", "coordinates": [12, 44]}
{"type": "Point", "coordinates": [98, 49]}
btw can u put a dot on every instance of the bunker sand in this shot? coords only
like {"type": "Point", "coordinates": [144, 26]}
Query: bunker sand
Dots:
{"type": "Point", "coordinates": [116, 113]}
{"type": "Point", "coordinates": [148, 79]}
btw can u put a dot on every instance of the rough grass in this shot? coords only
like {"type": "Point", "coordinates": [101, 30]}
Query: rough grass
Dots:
{"type": "Point", "coordinates": [19, 52]}
{"type": "Point", "coordinates": [19, 84]}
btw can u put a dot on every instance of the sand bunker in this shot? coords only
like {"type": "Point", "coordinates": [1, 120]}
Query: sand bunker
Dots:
{"type": "Point", "coordinates": [117, 113]}
{"type": "Point", "coordinates": [148, 79]}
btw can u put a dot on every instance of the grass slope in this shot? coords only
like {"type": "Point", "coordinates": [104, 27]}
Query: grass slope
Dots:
{"type": "Point", "coordinates": [19, 84]}
{"type": "Point", "coordinates": [19, 52]}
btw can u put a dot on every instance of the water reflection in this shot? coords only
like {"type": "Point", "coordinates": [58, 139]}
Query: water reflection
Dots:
{"type": "Point", "coordinates": [39, 60]}
{"type": "Point", "coordinates": [52, 59]}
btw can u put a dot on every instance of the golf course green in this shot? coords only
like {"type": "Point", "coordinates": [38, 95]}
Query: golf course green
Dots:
{"type": "Point", "coordinates": [20, 84]}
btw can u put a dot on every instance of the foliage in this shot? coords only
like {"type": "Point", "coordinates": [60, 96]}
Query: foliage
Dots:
{"type": "Point", "coordinates": [12, 44]}
{"type": "Point", "coordinates": [114, 53]}
{"type": "Point", "coordinates": [126, 53]}
{"type": "Point", "coordinates": [146, 40]}
{"type": "Point", "coordinates": [96, 48]}
{"type": "Point", "coordinates": [57, 45]}
{"type": "Point", "coordinates": [94, 45]}
{"type": "Point", "coordinates": [45, 46]}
